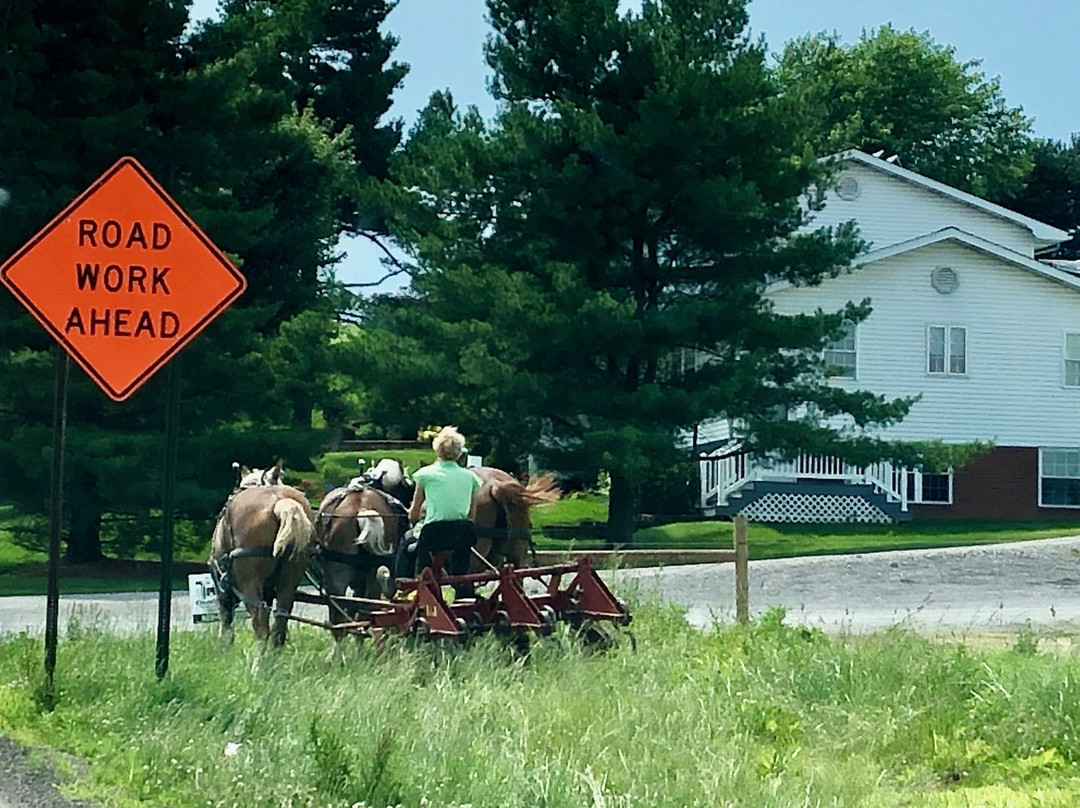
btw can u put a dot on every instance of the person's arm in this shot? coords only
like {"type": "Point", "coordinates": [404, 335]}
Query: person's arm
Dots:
{"type": "Point", "coordinates": [472, 501]}
{"type": "Point", "coordinates": [417, 504]}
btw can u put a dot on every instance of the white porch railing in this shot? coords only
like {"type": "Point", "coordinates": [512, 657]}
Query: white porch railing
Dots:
{"type": "Point", "coordinates": [727, 470]}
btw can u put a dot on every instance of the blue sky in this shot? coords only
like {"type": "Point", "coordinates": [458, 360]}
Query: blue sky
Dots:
{"type": "Point", "coordinates": [1031, 45]}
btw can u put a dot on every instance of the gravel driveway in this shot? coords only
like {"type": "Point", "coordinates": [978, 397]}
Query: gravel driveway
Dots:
{"type": "Point", "coordinates": [996, 587]}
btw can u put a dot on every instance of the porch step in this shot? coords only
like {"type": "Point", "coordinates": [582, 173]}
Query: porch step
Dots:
{"type": "Point", "coordinates": [812, 501]}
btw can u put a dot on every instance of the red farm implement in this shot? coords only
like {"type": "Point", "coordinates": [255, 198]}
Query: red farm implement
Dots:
{"type": "Point", "coordinates": [523, 600]}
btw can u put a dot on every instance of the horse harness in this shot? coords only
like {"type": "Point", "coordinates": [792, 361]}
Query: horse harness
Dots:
{"type": "Point", "coordinates": [221, 569]}
{"type": "Point", "coordinates": [500, 533]}
{"type": "Point", "coordinates": [221, 566]}
{"type": "Point", "coordinates": [355, 486]}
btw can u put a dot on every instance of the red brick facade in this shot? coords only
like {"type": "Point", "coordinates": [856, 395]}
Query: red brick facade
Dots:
{"type": "Point", "coordinates": [1001, 484]}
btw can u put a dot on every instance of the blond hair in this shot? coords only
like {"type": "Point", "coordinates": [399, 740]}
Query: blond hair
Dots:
{"type": "Point", "coordinates": [448, 444]}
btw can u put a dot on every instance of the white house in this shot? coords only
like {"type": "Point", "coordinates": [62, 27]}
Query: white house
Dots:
{"type": "Point", "coordinates": [965, 315]}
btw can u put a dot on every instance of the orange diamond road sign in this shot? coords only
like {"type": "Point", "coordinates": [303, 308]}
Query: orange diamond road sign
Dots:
{"type": "Point", "coordinates": [123, 278]}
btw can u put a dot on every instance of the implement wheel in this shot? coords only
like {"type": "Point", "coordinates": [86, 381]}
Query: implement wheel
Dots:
{"type": "Point", "coordinates": [501, 625]}
{"type": "Point", "coordinates": [420, 629]}
{"type": "Point", "coordinates": [549, 618]}
{"type": "Point", "coordinates": [596, 638]}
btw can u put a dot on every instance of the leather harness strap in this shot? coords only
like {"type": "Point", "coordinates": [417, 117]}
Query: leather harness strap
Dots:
{"type": "Point", "coordinates": [357, 485]}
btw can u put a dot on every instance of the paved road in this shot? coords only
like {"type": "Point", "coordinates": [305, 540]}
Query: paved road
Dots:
{"type": "Point", "coordinates": [990, 588]}
{"type": "Point", "coordinates": [119, 613]}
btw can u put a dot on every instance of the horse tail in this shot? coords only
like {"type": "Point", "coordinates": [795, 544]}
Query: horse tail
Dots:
{"type": "Point", "coordinates": [221, 543]}
{"type": "Point", "coordinates": [541, 490]}
{"type": "Point", "coordinates": [295, 530]}
{"type": "Point", "coordinates": [518, 498]}
{"type": "Point", "coordinates": [372, 532]}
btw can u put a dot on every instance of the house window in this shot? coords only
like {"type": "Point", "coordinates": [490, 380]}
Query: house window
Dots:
{"type": "Point", "coordinates": [946, 350]}
{"type": "Point", "coordinates": [1072, 360]}
{"type": "Point", "coordinates": [840, 354]}
{"type": "Point", "coordinates": [683, 361]}
{"type": "Point", "coordinates": [1059, 477]}
{"type": "Point", "coordinates": [929, 489]}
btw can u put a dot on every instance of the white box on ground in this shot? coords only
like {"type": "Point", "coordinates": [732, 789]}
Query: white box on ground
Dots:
{"type": "Point", "coordinates": [204, 605]}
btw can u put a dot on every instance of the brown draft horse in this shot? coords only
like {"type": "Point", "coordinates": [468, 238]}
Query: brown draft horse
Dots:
{"type": "Point", "coordinates": [259, 551]}
{"type": "Point", "coordinates": [356, 527]}
{"type": "Point", "coordinates": [504, 525]}
{"type": "Point", "coordinates": [503, 521]}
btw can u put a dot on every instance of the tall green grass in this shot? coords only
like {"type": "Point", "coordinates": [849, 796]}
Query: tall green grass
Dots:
{"type": "Point", "coordinates": [765, 716]}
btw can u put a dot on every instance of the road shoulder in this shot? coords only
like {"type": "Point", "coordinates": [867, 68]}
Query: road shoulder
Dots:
{"type": "Point", "coordinates": [26, 781]}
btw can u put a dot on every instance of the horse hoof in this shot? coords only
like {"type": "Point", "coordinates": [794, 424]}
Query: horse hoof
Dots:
{"type": "Point", "coordinates": [382, 577]}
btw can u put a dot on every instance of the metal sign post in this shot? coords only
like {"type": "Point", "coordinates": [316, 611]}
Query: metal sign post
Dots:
{"type": "Point", "coordinates": [56, 518]}
{"type": "Point", "coordinates": [172, 440]}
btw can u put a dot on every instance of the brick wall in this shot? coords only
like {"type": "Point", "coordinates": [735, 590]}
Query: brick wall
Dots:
{"type": "Point", "coordinates": [1001, 484]}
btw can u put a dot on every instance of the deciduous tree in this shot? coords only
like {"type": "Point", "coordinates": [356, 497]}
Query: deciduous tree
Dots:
{"type": "Point", "coordinates": [905, 94]}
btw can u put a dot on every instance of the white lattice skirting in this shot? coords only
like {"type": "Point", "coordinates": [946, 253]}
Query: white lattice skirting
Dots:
{"type": "Point", "coordinates": [813, 508]}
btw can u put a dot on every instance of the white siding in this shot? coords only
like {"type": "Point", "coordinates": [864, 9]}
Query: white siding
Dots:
{"type": "Point", "coordinates": [1013, 392]}
{"type": "Point", "coordinates": [714, 430]}
{"type": "Point", "coordinates": [890, 210]}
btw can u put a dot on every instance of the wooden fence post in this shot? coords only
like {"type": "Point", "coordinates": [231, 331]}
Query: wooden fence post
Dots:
{"type": "Point", "coordinates": [742, 577]}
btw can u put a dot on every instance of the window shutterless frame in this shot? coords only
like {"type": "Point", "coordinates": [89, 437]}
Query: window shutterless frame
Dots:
{"type": "Point", "coordinates": [1059, 477]}
{"type": "Point", "coordinates": [946, 350]}
{"type": "Point", "coordinates": [930, 489]}
{"type": "Point", "coordinates": [1071, 350]}
{"type": "Point", "coordinates": [841, 355]}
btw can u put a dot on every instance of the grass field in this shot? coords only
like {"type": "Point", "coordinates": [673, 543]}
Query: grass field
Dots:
{"type": "Point", "coordinates": [762, 716]}
{"type": "Point", "coordinates": [11, 555]}
{"type": "Point", "coordinates": [786, 541]}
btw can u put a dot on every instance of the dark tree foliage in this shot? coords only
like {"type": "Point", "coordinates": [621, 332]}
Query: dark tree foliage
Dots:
{"type": "Point", "coordinates": [262, 125]}
{"type": "Point", "coordinates": [634, 199]}
{"type": "Point", "coordinates": [1051, 192]}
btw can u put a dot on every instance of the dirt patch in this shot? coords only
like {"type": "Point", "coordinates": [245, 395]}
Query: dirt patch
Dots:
{"type": "Point", "coordinates": [1042, 641]}
{"type": "Point", "coordinates": [25, 779]}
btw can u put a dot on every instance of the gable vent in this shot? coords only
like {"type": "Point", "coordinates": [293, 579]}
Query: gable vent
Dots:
{"type": "Point", "coordinates": [848, 187]}
{"type": "Point", "coordinates": [944, 280]}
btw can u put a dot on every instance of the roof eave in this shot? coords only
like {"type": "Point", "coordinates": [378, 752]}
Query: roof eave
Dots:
{"type": "Point", "coordinates": [974, 242]}
{"type": "Point", "coordinates": [1044, 235]}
